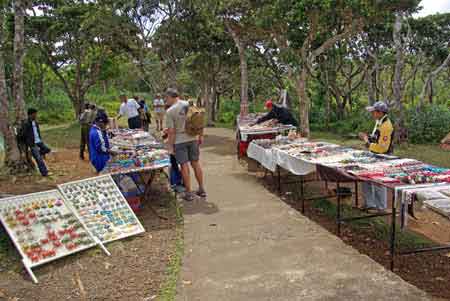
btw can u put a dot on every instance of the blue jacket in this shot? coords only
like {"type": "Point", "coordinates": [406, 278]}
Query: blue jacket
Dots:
{"type": "Point", "coordinates": [98, 148]}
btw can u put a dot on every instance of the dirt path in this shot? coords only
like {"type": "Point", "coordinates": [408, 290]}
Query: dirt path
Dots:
{"type": "Point", "coordinates": [245, 244]}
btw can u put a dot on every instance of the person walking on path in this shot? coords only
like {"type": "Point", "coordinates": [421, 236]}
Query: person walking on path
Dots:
{"type": "Point", "coordinates": [33, 139]}
{"type": "Point", "coordinates": [378, 142]}
{"type": "Point", "coordinates": [159, 108]}
{"type": "Point", "coordinates": [184, 147]}
{"type": "Point", "coordinates": [85, 123]}
{"type": "Point", "coordinates": [130, 108]}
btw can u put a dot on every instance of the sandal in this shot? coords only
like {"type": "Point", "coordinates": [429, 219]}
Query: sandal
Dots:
{"type": "Point", "coordinates": [188, 197]}
{"type": "Point", "coordinates": [201, 193]}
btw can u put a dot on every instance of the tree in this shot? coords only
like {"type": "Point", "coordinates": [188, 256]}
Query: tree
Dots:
{"type": "Point", "coordinates": [14, 162]}
{"type": "Point", "coordinates": [19, 54]}
{"type": "Point", "coordinates": [75, 39]}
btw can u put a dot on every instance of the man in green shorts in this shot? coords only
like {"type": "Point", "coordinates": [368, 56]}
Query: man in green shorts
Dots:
{"type": "Point", "coordinates": [183, 146]}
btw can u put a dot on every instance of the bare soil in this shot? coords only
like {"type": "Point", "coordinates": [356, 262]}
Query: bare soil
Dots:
{"type": "Point", "coordinates": [136, 269]}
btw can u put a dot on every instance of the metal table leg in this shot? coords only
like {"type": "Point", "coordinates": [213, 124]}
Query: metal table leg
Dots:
{"type": "Point", "coordinates": [279, 180]}
{"type": "Point", "coordinates": [302, 193]}
{"type": "Point", "coordinates": [393, 230]}
{"type": "Point", "coordinates": [338, 214]}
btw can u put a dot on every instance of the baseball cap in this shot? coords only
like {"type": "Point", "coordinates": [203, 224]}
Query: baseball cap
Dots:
{"type": "Point", "coordinates": [268, 104]}
{"type": "Point", "coordinates": [380, 106]}
{"type": "Point", "coordinates": [172, 92]}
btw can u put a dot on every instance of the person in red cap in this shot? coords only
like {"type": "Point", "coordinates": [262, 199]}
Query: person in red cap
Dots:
{"type": "Point", "coordinates": [279, 113]}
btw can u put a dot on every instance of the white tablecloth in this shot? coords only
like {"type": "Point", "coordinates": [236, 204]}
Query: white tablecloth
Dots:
{"type": "Point", "coordinates": [264, 156]}
{"type": "Point", "coordinates": [294, 165]}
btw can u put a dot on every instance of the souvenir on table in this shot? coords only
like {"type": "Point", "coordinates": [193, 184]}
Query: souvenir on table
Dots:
{"type": "Point", "coordinates": [130, 139]}
{"type": "Point", "coordinates": [43, 228]}
{"type": "Point", "coordinates": [142, 158]}
{"type": "Point", "coordinates": [102, 208]}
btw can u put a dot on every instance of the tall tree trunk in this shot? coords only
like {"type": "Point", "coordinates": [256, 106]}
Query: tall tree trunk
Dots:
{"type": "Point", "coordinates": [213, 100]}
{"type": "Point", "coordinates": [207, 89]}
{"type": "Point", "coordinates": [19, 54]}
{"type": "Point", "coordinates": [12, 154]}
{"type": "Point", "coordinates": [304, 102]}
{"type": "Point", "coordinates": [398, 85]}
{"type": "Point", "coordinates": [240, 44]}
{"type": "Point", "coordinates": [430, 95]}
{"type": "Point", "coordinates": [431, 76]}
{"type": "Point", "coordinates": [371, 89]}
{"type": "Point", "coordinates": [217, 110]}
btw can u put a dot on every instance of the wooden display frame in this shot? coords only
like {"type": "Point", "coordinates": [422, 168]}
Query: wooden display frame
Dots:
{"type": "Point", "coordinates": [36, 197]}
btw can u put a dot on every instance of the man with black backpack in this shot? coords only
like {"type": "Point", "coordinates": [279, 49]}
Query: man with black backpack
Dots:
{"type": "Point", "coordinates": [31, 135]}
{"type": "Point", "coordinates": [185, 134]}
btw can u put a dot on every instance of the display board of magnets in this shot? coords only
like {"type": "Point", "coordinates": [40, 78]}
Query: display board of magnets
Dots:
{"type": "Point", "coordinates": [101, 207]}
{"type": "Point", "coordinates": [43, 228]}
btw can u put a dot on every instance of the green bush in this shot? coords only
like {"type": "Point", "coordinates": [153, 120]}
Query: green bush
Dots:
{"type": "Point", "coordinates": [229, 110]}
{"type": "Point", "coordinates": [428, 125]}
{"type": "Point", "coordinates": [55, 108]}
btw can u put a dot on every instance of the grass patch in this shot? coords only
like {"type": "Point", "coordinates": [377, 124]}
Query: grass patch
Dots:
{"type": "Point", "coordinates": [169, 288]}
{"type": "Point", "coordinates": [63, 136]}
{"type": "Point", "coordinates": [405, 239]}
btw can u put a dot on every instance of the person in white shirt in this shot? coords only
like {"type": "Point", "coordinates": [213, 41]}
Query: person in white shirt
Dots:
{"type": "Point", "coordinates": [159, 108]}
{"type": "Point", "coordinates": [130, 108]}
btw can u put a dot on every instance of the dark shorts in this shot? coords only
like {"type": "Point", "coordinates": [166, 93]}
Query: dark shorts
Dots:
{"type": "Point", "coordinates": [187, 152]}
{"type": "Point", "coordinates": [134, 123]}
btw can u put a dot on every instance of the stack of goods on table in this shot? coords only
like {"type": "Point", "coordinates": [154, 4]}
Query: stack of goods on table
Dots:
{"type": "Point", "coordinates": [42, 227]}
{"type": "Point", "coordinates": [265, 126]}
{"type": "Point", "coordinates": [279, 142]}
{"type": "Point", "coordinates": [133, 160]}
{"type": "Point", "coordinates": [135, 150]}
{"type": "Point", "coordinates": [129, 139]}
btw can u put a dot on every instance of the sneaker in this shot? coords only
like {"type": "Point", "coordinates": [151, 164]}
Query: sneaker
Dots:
{"type": "Point", "coordinates": [188, 197]}
{"type": "Point", "coordinates": [201, 193]}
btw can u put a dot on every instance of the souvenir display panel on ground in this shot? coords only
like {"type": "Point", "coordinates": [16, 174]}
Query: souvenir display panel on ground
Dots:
{"type": "Point", "coordinates": [43, 228]}
{"type": "Point", "coordinates": [102, 208]}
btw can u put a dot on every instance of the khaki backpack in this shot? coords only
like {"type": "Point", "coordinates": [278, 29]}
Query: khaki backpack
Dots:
{"type": "Point", "coordinates": [195, 121]}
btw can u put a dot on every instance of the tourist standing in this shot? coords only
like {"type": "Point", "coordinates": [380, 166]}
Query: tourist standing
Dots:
{"type": "Point", "coordinates": [99, 148]}
{"type": "Point", "coordinates": [380, 141]}
{"type": "Point", "coordinates": [130, 108]}
{"type": "Point", "coordinates": [158, 108]}
{"type": "Point", "coordinates": [145, 115]}
{"type": "Point", "coordinates": [184, 146]}
{"type": "Point", "coordinates": [33, 139]}
{"type": "Point", "coordinates": [85, 123]}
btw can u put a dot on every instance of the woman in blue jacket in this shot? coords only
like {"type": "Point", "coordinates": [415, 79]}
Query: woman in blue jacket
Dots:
{"type": "Point", "coordinates": [99, 149]}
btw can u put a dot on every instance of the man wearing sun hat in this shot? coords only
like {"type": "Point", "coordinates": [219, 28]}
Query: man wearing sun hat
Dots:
{"type": "Point", "coordinates": [378, 142]}
{"type": "Point", "coordinates": [279, 113]}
